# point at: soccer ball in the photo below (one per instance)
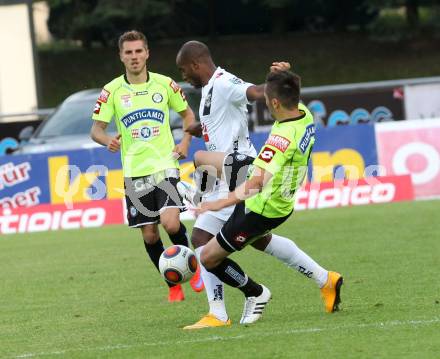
(177, 264)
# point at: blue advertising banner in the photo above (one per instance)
(95, 174)
(344, 152)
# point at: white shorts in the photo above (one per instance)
(209, 223)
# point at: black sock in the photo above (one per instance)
(154, 251)
(204, 183)
(251, 289)
(180, 237)
(230, 273)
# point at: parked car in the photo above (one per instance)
(68, 128)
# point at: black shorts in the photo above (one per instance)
(146, 199)
(235, 168)
(244, 227)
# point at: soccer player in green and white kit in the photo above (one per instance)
(139, 101)
(266, 199)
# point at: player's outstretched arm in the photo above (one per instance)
(256, 92)
(250, 188)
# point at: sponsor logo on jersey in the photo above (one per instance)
(174, 86)
(103, 96)
(236, 81)
(151, 114)
(141, 93)
(97, 108)
(266, 154)
(157, 97)
(218, 75)
(279, 142)
(305, 140)
(145, 133)
(126, 101)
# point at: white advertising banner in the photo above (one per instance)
(422, 101)
(17, 74)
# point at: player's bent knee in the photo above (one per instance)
(207, 259)
(150, 234)
(198, 157)
(171, 226)
(199, 237)
(150, 238)
(262, 242)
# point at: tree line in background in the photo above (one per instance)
(102, 21)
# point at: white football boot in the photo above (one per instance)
(188, 192)
(254, 306)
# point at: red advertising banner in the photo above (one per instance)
(412, 147)
(354, 193)
(48, 217)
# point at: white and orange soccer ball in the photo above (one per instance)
(177, 264)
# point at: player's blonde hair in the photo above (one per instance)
(132, 35)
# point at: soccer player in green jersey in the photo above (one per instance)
(266, 199)
(139, 101)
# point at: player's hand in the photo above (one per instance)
(279, 66)
(195, 129)
(207, 206)
(115, 143)
(180, 151)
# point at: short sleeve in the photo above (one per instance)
(234, 89)
(176, 97)
(104, 108)
(270, 159)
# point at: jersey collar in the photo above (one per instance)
(297, 118)
(216, 73)
(128, 83)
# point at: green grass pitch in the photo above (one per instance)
(93, 294)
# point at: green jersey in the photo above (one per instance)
(285, 155)
(141, 112)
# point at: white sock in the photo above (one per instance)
(214, 291)
(288, 252)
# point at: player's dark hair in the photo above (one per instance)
(284, 86)
(132, 35)
(194, 51)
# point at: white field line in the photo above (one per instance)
(214, 338)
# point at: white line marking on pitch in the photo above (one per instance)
(380, 325)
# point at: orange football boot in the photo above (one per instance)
(330, 292)
(208, 321)
(176, 294)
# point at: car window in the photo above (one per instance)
(71, 118)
